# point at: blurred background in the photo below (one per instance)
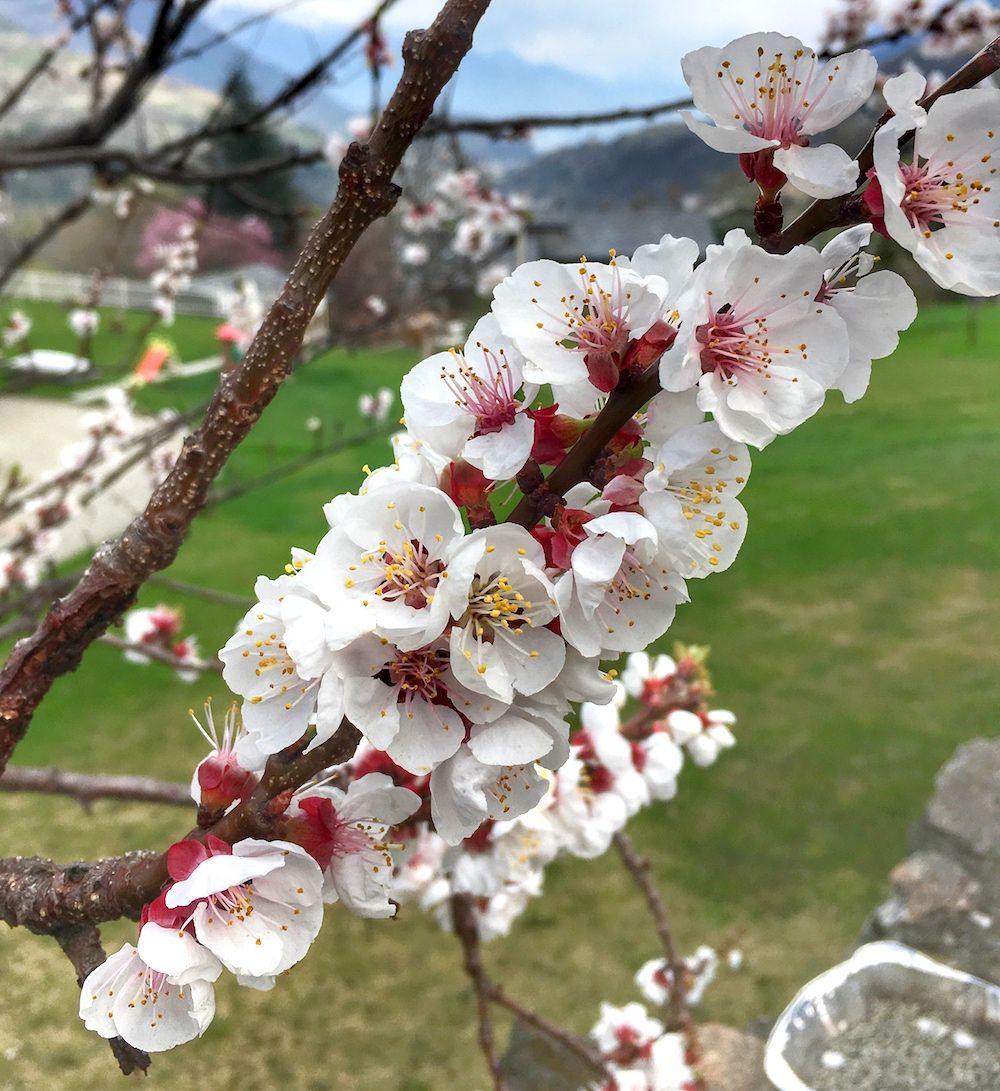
(855, 639)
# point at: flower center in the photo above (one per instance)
(930, 197)
(494, 601)
(490, 398)
(771, 101)
(418, 674)
(732, 345)
(411, 575)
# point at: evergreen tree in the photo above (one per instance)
(275, 189)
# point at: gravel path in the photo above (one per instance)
(32, 433)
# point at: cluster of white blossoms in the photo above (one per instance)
(561, 480)
(377, 407)
(177, 261)
(158, 628)
(640, 1053)
(627, 755)
(33, 513)
(465, 214)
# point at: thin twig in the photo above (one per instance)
(209, 594)
(638, 867)
(513, 127)
(160, 655)
(88, 787)
(464, 920)
(70, 212)
(582, 1050)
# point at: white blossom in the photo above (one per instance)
(768, 91)
(944, 206)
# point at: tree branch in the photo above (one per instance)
(577, 466)
(71, 211)
(638, 867)
(160, 655)
(209, 594)
(464, 920)
(87, 787)
(46, 57)
(513, 127)
(151, 541)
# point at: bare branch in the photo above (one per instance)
(638, 867)
(209, 594)
(231, 31)
(579, 1047)
(71, 211)
(464, 919)
(47, 56)
(87, 787)
(151, 541)
(159, 655)
(513, 127)
(284, 97)
(168, 28)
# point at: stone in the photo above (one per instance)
(534, 1061)
(945, 896)
(731, 1059)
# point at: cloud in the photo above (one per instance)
(607, 41)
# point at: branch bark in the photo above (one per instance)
(119, 568)
(464, 920)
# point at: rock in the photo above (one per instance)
(534, 1061)
(946, 895)
(731, 1059)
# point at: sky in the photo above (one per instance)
(542, 55)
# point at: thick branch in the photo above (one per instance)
(87, 787)
(151, 542)
(579, 462)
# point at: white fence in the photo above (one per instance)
(116, 292)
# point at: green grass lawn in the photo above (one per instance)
(855, 638)
(116, 347)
